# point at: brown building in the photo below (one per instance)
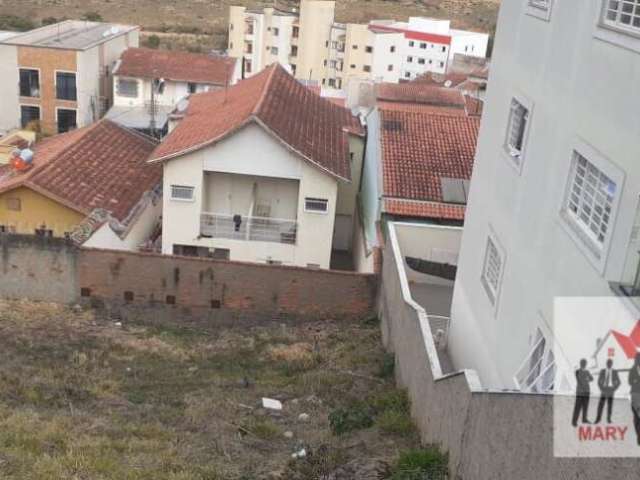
(60, 76)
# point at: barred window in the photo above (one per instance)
(492, 270)
(319, 205)
(516, 130)
(181, 192)
(127, 88)
(589, 201)
(624, 14)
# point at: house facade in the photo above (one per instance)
(59, 77)
(265, 172)
(553, 209)
(149, 83)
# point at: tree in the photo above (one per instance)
(153, 41)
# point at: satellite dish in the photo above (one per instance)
(447, 83)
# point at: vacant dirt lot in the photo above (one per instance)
(208, 17)
(85, 397)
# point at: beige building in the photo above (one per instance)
(60, 76)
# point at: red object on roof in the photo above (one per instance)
(418, 149)
(176, 66)
(305, 122)
(413, 35)
(628, 346)
(100, 166)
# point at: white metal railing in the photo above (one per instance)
(538, 370)
(240, 227)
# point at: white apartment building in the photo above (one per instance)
(59, 77)
(267, 171)
(149, 83)
(554, 203)
(315, 47)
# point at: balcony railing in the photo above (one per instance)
(255, 229)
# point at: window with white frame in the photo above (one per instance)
(316, 205)
(516, 130)
(540, 9)
(182, 192)
(492, 269)
(590, 200)
(622, 14)
(541, 4)
(127, 88)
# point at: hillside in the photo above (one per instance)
(201, 24)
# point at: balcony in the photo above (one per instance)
(253, 229)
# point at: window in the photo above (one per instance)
(352, 66)
(231, 26)
(390, 68)
(411, 43)
(407, 75)
(14, 204)
(441, 64)
(66, 86)
(409, 59)
(317, 205)
(444, 48)
(29, 114)
(590, 200)
(421, 61)
(182, 192)
(66, 120)
(247, 66)
(332, 82)
(248, 47)
(622, 14)
(275, 31)
(127, 88)
(392, 48)
(221, 253)
(294, 50)
(368, 49)
(516, 130)
(492, 269)
(355, 47)
(29, 83)
(366, 68)
(423, 45)
(274, 50)
(295, 32)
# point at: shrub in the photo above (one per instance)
(153, 41)
(92, 17)
(387, 365)
(345, 420)
(12, 22)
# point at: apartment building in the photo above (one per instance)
(269, 35)
(554, 203)
(149, 83)
(315, 47)
(266, 171)
(59, 77)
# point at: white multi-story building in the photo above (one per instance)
(267, 171)
(315, 47)
(554, 203)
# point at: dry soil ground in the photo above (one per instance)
(208, 17)
(84, 397)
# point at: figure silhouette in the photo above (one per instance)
(583, 392)
(608, 382)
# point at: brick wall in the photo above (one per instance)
(217, 288)
(54, 270)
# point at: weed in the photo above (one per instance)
(387, 365)
(419, 464)
(348, 419)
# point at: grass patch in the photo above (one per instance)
(419, 464)
(348, 419)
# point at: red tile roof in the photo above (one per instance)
(421, 108)
(419, 93)
(100, 166)
(308, 124)
(418, 149)
(176, 66)
(412, 34)
(413, 208)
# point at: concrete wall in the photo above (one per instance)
(561, 68)
(55, 270)
(488, 434)
(316, 18)
(9, 93)
(43, 269)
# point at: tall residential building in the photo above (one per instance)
(554, 201)
(315, 47)
(60, 76)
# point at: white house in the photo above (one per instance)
(554, 204)
(266, 171)
(149, 83)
